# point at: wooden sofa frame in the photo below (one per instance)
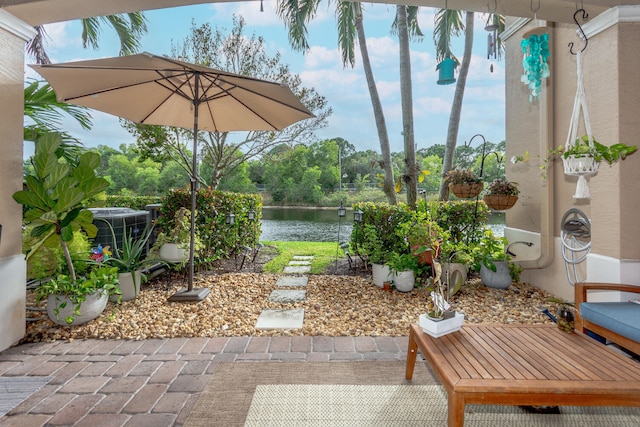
(582, 325)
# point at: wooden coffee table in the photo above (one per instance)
(525, 365)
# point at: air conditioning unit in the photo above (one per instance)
(134, 221)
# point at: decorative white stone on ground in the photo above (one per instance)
(281, 319)
(287, 296)
(292, 281)
(302, 257)
(299, 262)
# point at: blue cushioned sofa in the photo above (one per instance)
(616, 321)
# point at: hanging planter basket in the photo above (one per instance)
(466, 190)
(580, 165)
(500, 202)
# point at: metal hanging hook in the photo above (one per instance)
(494, 8)
(585, 15)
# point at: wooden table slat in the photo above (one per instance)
(549, 363)
(525, 365)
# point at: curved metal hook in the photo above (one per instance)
(494, 8)
(585, 15)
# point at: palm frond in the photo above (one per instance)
(295, 15)
(345, 17)
(41, 106)
(448, 24)
(35, 47)
(90, 32)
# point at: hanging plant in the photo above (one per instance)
(535, 50)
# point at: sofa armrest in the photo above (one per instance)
(581, 289)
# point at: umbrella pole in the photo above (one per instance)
(191, 294)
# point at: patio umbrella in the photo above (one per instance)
(156, 90)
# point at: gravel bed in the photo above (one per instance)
(335, 306)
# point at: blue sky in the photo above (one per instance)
(321, 67)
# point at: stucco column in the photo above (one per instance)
(614, 102)
(13, 35)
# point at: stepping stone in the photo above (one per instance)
(292, 281)
(297, 269)
(281, 319)
(287, 296)
(302, 257)
(299, 262)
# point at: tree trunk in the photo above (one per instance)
(456, 106)
(410, 176)
(389, 183)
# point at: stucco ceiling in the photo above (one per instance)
(37, 12)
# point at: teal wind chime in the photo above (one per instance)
(535, 51)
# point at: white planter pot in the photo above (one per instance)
(171, 252)
(500, 279)
(91, 308)
(381, 273)
(404, 280)
(455, 274)
(129, 289)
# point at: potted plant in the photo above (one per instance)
(75, 303)
(403, 267)
(57, 197)
(582, 157)
(130, 260)
(173, 246)
(424, 237)
(492, 261)
(455, 258)
(501, 195)
(377, 255)
(463, 183)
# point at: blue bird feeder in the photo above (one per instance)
(446, 68)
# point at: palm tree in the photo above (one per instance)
(296, 14)
(129, 27)
(448, 23)
(406, 25)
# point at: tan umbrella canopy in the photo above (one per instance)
(156, 90)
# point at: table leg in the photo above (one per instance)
(455, 412)
(412, 352)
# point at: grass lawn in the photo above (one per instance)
(324, 253)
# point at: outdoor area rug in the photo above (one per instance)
(226, 399)
(405, 405)
(14, 390)
(360, 394)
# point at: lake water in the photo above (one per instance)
(322, 225)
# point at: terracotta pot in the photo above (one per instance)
(466, 190)
(424, 257)
(500, 202)
(386, 286)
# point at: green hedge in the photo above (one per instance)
(380, 231)
(220, 239)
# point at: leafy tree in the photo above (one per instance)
(238, 53)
